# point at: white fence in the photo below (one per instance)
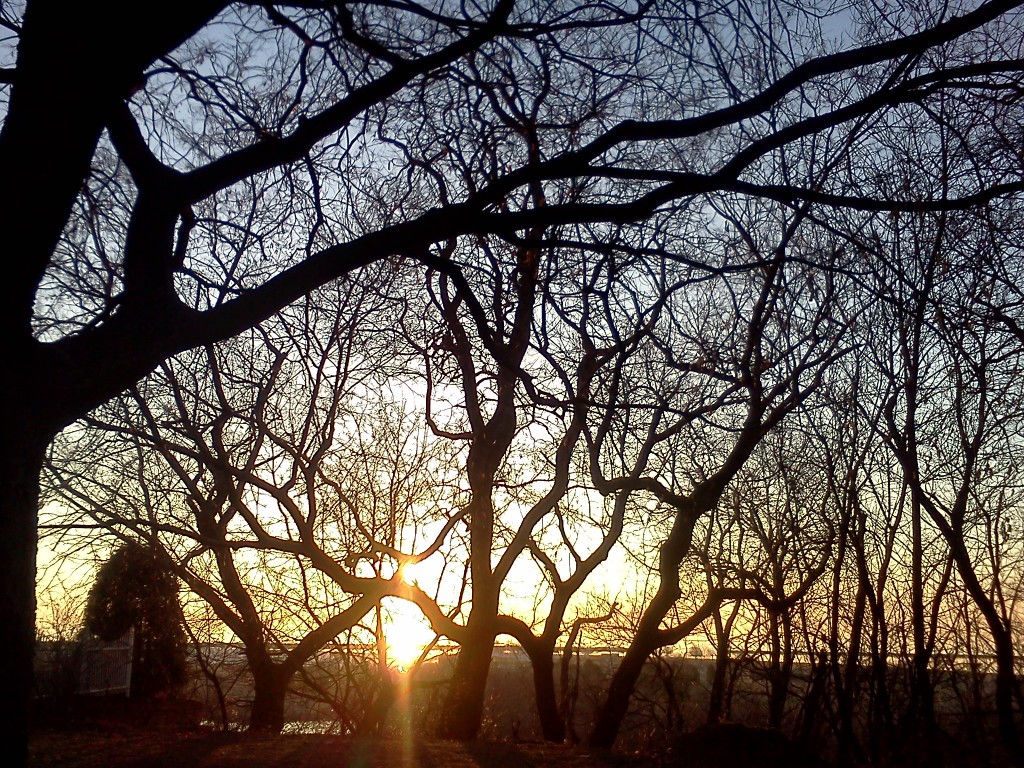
(107, 666)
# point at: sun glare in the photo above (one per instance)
(407, 633)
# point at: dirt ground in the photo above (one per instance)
(115, 732)
(132, 746)
(92, 749)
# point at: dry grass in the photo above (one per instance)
(121, 747)
(118, 733)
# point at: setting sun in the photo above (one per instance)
(407, 633)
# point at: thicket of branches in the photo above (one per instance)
(724, 301)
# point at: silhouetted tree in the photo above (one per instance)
(682, 442)
(134, 590)
(246, 154)
(263, 479)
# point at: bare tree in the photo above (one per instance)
(782, 506)
(509, 377)
(253, 478)
(729, 387)
(243, 155)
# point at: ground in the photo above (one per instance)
(133, 747)
(118, 733)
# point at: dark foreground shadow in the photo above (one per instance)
(733, 744)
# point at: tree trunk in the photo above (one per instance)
(613, 712)
(921, 707)
(464, 704)
(845, 679)
(815, 701)
(377, 713)
(646, 640)
(777, 676)
(270, 684)
(552, 724)
(716, 699)
(22, 449)
(1006, 679)
(880, 723)
(569, 690)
